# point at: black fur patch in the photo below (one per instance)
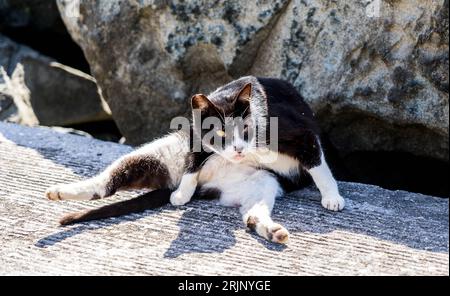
(194, 161)
(137, 172)
(207, 193)
(298, 132)
(151, 200)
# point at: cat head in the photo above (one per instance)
(224, 123)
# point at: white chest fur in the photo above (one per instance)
(227, 177)
(280, 163)
(237, 182)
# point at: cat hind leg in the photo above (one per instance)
(257, 207)
(133, 171)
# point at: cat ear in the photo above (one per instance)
(201, 102)
(242, 100)
(245, 94)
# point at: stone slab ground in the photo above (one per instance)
(380, 232)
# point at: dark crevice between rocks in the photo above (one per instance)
(59, 46)
(352, 159)
(39, 25)
(394, 170)
(398, 171)
(106, 130)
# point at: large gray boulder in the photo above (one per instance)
(35, 89)
(377, 77)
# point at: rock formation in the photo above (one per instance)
(35, 89)
(377, 77)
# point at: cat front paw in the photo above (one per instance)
(179, 198)
(278, 234)
(53, 193)
(333, 203)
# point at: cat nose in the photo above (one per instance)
(238, 149)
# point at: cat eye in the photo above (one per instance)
(220, 133)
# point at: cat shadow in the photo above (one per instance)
(204, 228)
(69, 231)
(268, 245)
(210, 229)
(202, 232)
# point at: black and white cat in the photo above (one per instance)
(237, 170)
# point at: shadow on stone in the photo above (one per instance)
(204, 232)
(73, 230)
(199, 231)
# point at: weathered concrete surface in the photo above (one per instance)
(380, 232)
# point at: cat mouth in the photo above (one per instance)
(238, 157)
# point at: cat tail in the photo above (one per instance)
(151, 200)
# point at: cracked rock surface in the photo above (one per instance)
(380, 232)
